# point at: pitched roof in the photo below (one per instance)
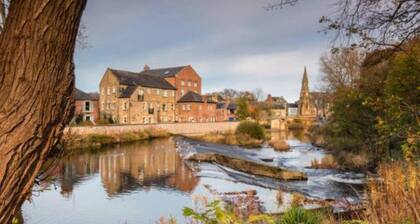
(232, 106)
(126, 93)
(163, 72)
(80, 95)
(140, 79)
(94, 95)
(191, 97)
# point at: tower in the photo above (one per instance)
(305, 107)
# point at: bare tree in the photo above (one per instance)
(36, 85)
(340, 69)
(370, 23)
(259, 94)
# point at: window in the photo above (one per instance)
(87, 106)
(113, 89)
(140, 96)
(125, 106)
(102, 91)
(108, 91)
(125, 119)
(182, 83)
(173, 93)
(157, 92)
(195, 84)
(151, 109)
(164, 107)
(189, 83)
(182, 92)
(150, 120)
(183, 107)
(88, 118)
(188, 107)
(144, 120)
(144, 106)
(165, 93)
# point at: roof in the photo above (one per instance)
(80, 95)
(163, 72)
(126, 93)
(94, 95)
(140, 79)
(232, 106)
(191, 97)
(220, 105)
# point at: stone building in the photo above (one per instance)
(277, 106)
(86, 106)
(192, 107)
(136, 98)
(306, 108)
(183, 78)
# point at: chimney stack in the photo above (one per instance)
(146, 67)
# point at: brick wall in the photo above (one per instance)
(173, 128)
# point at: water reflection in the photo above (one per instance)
(127, 168)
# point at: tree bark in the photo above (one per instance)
(36, 88)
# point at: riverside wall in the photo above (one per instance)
(188, 129)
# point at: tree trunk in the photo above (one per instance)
(36, 88)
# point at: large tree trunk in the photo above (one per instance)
(36, 88)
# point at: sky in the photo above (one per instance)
(230, 43)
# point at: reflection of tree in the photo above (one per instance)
(127, 168)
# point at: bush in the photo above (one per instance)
(280, 145)
(328, 162)
(252, 129)
(299, 215)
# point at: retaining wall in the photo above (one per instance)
(173, 128)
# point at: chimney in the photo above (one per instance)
(146, 67)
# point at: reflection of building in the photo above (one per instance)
(126, 168)
(144, 165)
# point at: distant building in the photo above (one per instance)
(226, 111)
(292, 110)
(192, 107)
(305, 105)
(277, 106)
(86, 106)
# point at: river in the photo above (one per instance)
(143, 181)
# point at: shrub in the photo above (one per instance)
(296, 124)
(252, 129)
(328, 162)
(297, 215)
(280, 145)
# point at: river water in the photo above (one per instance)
(141, 182)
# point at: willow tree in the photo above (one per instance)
(37, 42)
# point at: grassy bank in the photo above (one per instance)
(248, 134)
(96, 141)
(230, 138)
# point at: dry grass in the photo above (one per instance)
(279, 197)
(96, 141)
(280, 145)
(297, 199)
(229, 138)
(328, 162)
(395, 198)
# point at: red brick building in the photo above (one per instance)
(226, 111)
(183, 78)
(86, 106)
(192, 107)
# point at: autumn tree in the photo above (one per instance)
(340, 69)
(37, 42)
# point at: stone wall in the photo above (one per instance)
(173, 128)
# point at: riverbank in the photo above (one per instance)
(72, 141)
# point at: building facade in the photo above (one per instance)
(305, 105)
(226, 111)
(192, 107)
(183, 78)
(86, 106)
(136, 98)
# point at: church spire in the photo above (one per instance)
(305, 86)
